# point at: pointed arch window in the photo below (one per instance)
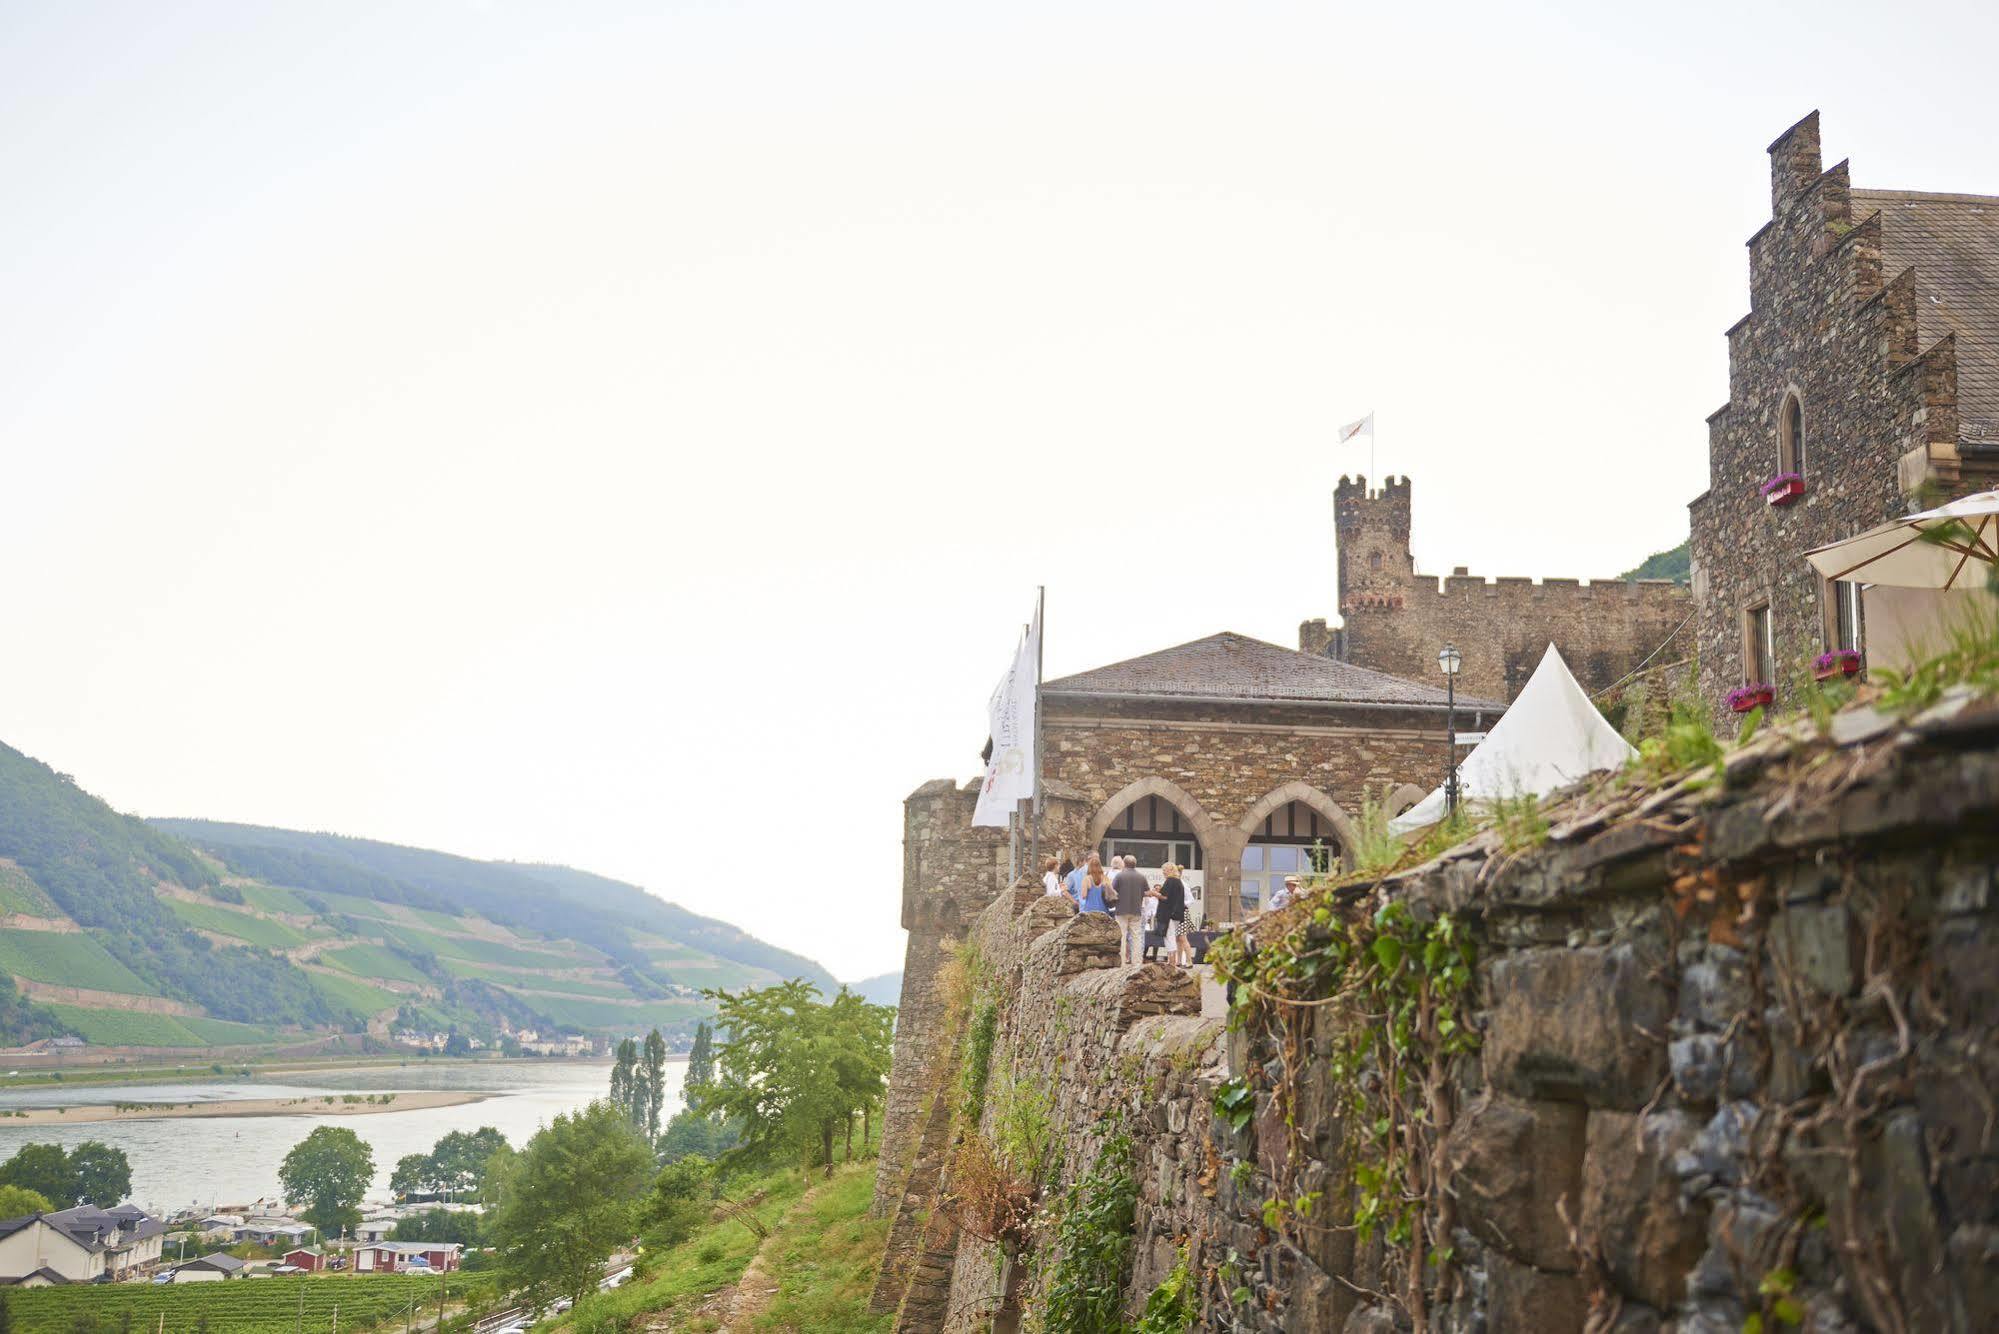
(1791, 437)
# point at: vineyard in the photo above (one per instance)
(239, 1306)
(68, 959)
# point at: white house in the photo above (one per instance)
(209, 1269)
(79, 1245)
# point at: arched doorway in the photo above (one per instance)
(1157, 823)
(1295, 830)
(1294, 839)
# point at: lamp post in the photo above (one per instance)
(1450, 660)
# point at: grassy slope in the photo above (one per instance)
(68, 960)
(242, 926)
(822, 1255)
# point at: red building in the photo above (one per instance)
(309, 1258)
(395, 1257)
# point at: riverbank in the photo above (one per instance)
(323, 1104)
(23, 1076)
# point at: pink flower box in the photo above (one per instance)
(1782, 489)
(1744, 698)
(1839, 662)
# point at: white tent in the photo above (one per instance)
(1549, 737)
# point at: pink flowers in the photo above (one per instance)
(1744, 698)
(1839, 662)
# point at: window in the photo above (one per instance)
(1759, 652)
(1374, 560)
(1791, 437)
(1849, 627)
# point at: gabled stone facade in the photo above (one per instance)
(1846, 322)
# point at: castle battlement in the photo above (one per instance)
(1395, 618)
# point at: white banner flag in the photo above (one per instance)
(1010, 771)
(1354, 430)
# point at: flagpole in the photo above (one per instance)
(1040, 638)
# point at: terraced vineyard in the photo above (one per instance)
(241, 1306)
(67, 959)
(253, 930)
(129, 1028)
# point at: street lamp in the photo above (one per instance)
(1450, 660)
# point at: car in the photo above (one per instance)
(164, 1276)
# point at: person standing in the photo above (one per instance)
(1130, 887)
(1051, 881)
(1072, 883)
(1173, 913)
(1095, 882)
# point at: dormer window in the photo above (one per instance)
(1791, 437)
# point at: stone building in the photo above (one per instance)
(1395, 619)
(1238, 759)
(1868, 366)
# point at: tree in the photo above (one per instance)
(683, 1195)
(442, 1225)
(91, 1173)
(101, 1174)
(624, 1079)
(794, 1070)
(328, 1169)
(19, 1202)
(701, 1059)
(44, 1169)
(655, 1083)
(458, 1161)
(569, 1199)
(412, 1175)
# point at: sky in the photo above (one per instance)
(631, 435)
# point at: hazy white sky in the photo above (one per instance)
(630, 435)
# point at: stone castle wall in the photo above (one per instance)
(1734, 1058)
(1827, 325)
(1395, 620)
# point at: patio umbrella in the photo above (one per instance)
(1963, 535)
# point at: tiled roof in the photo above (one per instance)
(1229, 666)
(1953, 242)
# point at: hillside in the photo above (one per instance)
(182, 934)
(652, 937)
(1676, 565)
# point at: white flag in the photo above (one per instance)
(1354, 430)
(1010, 770)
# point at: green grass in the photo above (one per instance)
(373, 961)
(223, 1033)
(709, 971)
(20, 894)
(353, 994)
(68, 959)
(243, 1306)
(239, 925)
(274, 898)
(604, 1014)
(679, 1278)
(824, 1257)
(126, 1028)
(442, 921)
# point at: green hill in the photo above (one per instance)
(267, 936)
(620, 920)
(1676, 565)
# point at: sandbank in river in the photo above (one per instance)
(322, 1104)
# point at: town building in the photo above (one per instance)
(209, 1269)
(1862, 384)
(309, 1259)
(392, 1257)
(1395, 620)
(81, 1245)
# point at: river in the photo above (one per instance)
(220, 1160)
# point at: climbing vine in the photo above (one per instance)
(1387, 994)
(1093, 1235)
